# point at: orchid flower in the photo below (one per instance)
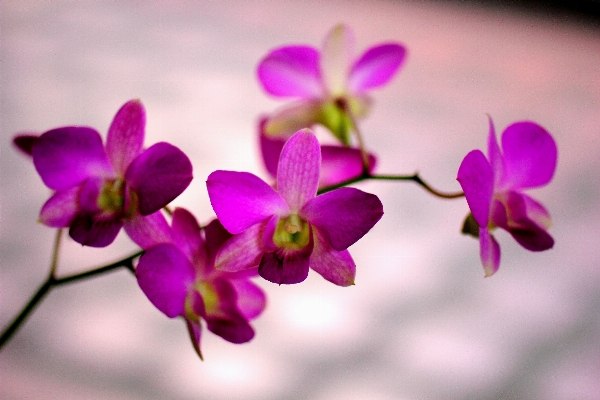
(98, 189)
(329, 84)
(288, 231)
(494, 190)
(179, 278)
(338, 164)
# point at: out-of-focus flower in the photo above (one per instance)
(338, 163)
(328, 83)
(494, 189)
(179, 278)
(285, 232)
(99, 189)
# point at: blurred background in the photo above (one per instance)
(421, 321)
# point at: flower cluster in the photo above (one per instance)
(307, 219)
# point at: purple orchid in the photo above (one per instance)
(493, 189)
(328, 83)
(288, 231)
(179, 278)
(99, 189)
(338, 163)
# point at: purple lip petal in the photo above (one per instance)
(489, 252)
(24, 142)
(233, 330)
(158, 176)
(537, 212)
(376, 67)
(195, 332)
(66, 157)
(285, 270)
(165, 275)
(241, 199)
(291, 71)
(88, 231)
(61, 208)
(343, 215)
(335, 266)
(242, 251)
(532, 237)
(251, 300)
(476, 178)
(186, 233)
(342, 163)
(298, 171)
(529, 155)
(149, 230)
(126, 135)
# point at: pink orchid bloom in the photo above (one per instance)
(494, 189)
(179, 278)
(327, 83)
(288, 231)
(99, 189)
(338, 163)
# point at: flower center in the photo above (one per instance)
(115, 199)
(292, 233)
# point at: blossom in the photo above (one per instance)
(494, 189)
(99, 189)
(179, 278)
(289, 230)
(338, 163)
(328, 83)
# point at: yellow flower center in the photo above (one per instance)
(292, 233)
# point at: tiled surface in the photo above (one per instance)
(421, 321)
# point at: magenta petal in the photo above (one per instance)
(284, 269)
(216, 236)
(251, 300)
(165, 276)
(242, 251)
(241, 199)
(66, 157)
(530, 155)
(186, 233)
(291, 71)
(126, 135)
(344, 215)
(148, 230)
(298, 170)
(477, 181)
(195, 332)
(158, 176)
(270, 149)
(537, 212)
(489, 252)
(376, 67)
(335, 266)
(525, 231)
(25, 141)
(233, 330)
(88, 196)
(94, 232)
(61, 208)
(342, 163)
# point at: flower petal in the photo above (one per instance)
(94, 232)
(126, 135)
(236, 330)
(376, 67)
(477, 181)
(340, 163)
(251, 300)
(165, 276)
(288, 120)
(284, 269)
(524, 230)
(148, 230)
(270, 149)
(291, 71)
(335, 266)
(158, 176)
(60, 209)
(216, 236)
(530, 156)
(336, 56)
(66, 157)
(187, 234)
(537, 212)
(494, 154)
(241, 199)
(343, 215)
(489, 252)
(298, 170)
(242, 251)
